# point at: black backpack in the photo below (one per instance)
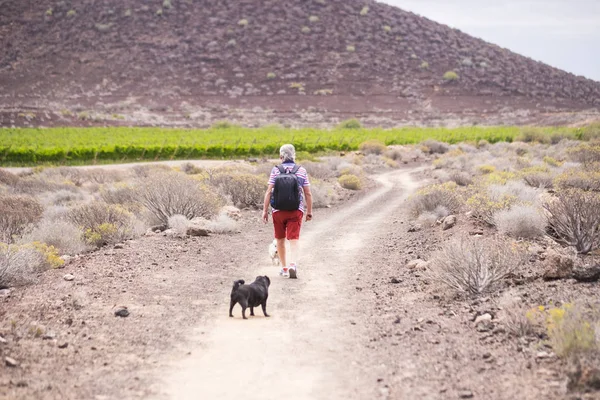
(286, 192)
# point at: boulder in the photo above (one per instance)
(195, 231)
(417, 265)
(448, 222)
(587, 273)
(557, 266)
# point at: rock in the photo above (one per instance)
(487, 355)
(2, 340)
(232, 212)
(584, 377)
(535, 249)
(159, 228)
(465, 394)
(193, 231)
(448, 222)
(122, 312)
(119, 246)
(557, 266)
(68, 277)
(49, 336)
(394, 280)
(63, 346)
(4, 292)
(542, 355)
(66, 259)
(417, 265)
(587, 273)
(483, 318)
(10, 362)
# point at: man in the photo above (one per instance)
(287, 223)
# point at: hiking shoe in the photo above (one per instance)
(292, 271)
(285, 272)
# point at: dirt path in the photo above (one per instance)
(305, 350)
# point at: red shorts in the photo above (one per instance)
(287, 224)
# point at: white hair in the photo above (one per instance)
(287, 152)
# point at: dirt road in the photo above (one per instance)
(306, 349)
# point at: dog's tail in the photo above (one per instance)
(237, 284)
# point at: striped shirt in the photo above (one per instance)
(302, 176)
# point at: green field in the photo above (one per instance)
(70, 146)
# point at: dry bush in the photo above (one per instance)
(516, 189)
(541, 180)
(585, 153)
(431, 197)
(574, 215)
(121, 194)
(323, 193)
(167, 194)
(521, 222)
(349, 181)
(17, 213)
(34, 185)
(65, 175)
(436, 147)
(179, 223)
(319, 170)
(145, 171)
(484, 207)
(8, 178)
(460, 178)
(103, 223)
(190, 169)
(222, 225)
(103, 176)
(244, 190)
(264, 169)
(18, 265)
(62, 235)
(394, 154)
(372, 147)
(579, 179)
(475, 265)
(61, 197)
(345, 168)
(517, 320)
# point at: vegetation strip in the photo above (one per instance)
(28, 146)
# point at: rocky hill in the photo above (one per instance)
(161, 61)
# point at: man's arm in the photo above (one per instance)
(308, 197)
(265, 215)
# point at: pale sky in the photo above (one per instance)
(562, 33)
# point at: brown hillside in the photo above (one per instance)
(181, 57)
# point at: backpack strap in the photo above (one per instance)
(281, 169)
(296, 168)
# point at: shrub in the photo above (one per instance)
(572, 330)
(65, 175)
(486, 169)
(71, 13)
(8, 178)
(475, 265)
(179, 223)
(531, 135)
(516, 189)
(319, 170)
(167, 4)
(222, 125)
(450, 76)
(424, 65)
(271, 75)
(579, 179)
(102, 176)
(387, 28)
(574, 216)
(364, 11)
(431, 197)
(460, 178)
(145, 171)
(49, 12)
(541, 180)
(306, 29)
(351, 182)
(313, 18)
(191, 169)
(484, 207)
(552, 161)
(350, 124)
(372, 147)
(350, 48)
(394, 154)
(65, 237)
(103, 223)
(520, 222)
(167, 194)
(244, 190)
(17, 213)
(121, 195)
(436, 147)
(322, 193)
(159, 12)
(243, 22)
(18, 264)
(585, 153)
(61, 197)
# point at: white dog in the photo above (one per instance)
(273, 253)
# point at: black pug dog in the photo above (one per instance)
(252, 295)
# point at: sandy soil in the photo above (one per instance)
(356, 325)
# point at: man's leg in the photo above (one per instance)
(294, 251)
(281, 251)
